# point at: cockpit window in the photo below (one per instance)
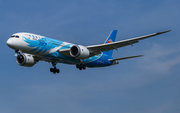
(14, 36)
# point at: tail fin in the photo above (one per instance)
(111, 38)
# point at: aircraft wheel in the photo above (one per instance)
(51, 69)
(54, 71)
(57, 70)
(84, 67)
(80, 68)
(77, 65)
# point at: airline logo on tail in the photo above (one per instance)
(109, 41)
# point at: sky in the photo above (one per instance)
(149, 84)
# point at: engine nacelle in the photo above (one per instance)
(25, 60)
(79, 52)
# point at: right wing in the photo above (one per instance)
(97, 49)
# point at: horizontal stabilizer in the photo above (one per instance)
(125, 58)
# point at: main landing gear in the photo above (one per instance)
(80, 66)
(54, 70)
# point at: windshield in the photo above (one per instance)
(14, 36)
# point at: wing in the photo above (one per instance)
(97, 49)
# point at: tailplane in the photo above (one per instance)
(123, 58)
(111, 38)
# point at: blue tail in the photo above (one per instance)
(111, 38)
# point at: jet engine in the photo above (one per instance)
(79, 52)
(25, 60)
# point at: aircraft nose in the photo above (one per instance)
(9, 42)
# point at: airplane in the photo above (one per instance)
(31, 48)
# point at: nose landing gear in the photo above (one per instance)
(18, 51)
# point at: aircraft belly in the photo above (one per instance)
(100, 61)
(58, 57)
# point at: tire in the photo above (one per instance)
(84, 67)
(77, 65)
(51, 69)
(54, 71)
(57, 70)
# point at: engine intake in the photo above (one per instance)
(25, 60)
(79, 52)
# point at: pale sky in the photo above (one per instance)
(142, 85)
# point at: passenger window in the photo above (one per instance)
(29, 37)
(17, 36)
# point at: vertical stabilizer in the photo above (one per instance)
(111, 38)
